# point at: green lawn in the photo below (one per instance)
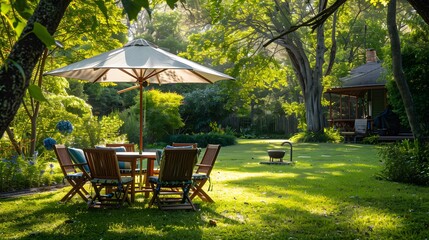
(330, 193)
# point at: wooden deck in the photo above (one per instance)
(399, 137)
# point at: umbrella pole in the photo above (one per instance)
(141, 118)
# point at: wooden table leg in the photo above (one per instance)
(133, 184)
(149, 172)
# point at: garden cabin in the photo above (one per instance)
(362, 94)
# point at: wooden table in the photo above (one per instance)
(133, 157)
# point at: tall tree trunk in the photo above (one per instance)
(422, 8)
(36, 109)
(15, 73)
(15, 144)
(398, 72)
(310, 79)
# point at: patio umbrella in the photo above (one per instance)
(141, 62)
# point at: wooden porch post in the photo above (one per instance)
(330, 110)
(350, 107)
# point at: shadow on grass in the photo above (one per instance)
(73, 220)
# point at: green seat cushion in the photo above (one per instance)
(124, 180)
(199, 176)
(78, 157)
(74, 175)
(155, 180)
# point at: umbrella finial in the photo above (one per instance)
(140, 42)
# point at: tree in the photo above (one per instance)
(398, 72)
(16, 71)
(258, 21)
(74, 35)
(422, 8)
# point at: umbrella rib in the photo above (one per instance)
(201, 76)
(123, 70)
(101, 75)
(154, 72)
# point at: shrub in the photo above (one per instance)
(202, 139)
(18, 173)
(329, 135)
(406, 162)
(372, 139)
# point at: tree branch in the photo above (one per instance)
(313, 22)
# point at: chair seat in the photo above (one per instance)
(74, 175)
(199, 176)
(128, 170)
(124, 180)
(155, 180)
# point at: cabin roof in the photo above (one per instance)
(361, 79)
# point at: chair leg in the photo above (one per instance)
(125, 195)
(77, 187)
(198, 191)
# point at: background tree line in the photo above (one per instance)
(286, 78)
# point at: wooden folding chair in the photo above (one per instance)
(194, 145)
(202, 174)
(75, 178)
(126, 170)
(171, 187)
(105, 172)
(129, 147)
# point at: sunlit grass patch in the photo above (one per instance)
(330, 193)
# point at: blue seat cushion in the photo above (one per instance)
(159, 152)
(78, 157)
(117, 149)
(159, 156)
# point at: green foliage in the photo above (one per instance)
(202, 139)
(43, 34)
(329, 135)
(296, 109)
(406, 162)
(105, 99)
(99, 131)
(217, 135)
(161, 111)
(415, 57)
(372, 139)
(257, 73)
(202, 107)
(18, 172)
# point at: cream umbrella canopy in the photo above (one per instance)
(141, 62)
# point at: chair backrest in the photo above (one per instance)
(361, 126)
(194, 145)
(177, 164)
(129, 147)
(103, 163)
(64, 159)
(209, 159)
